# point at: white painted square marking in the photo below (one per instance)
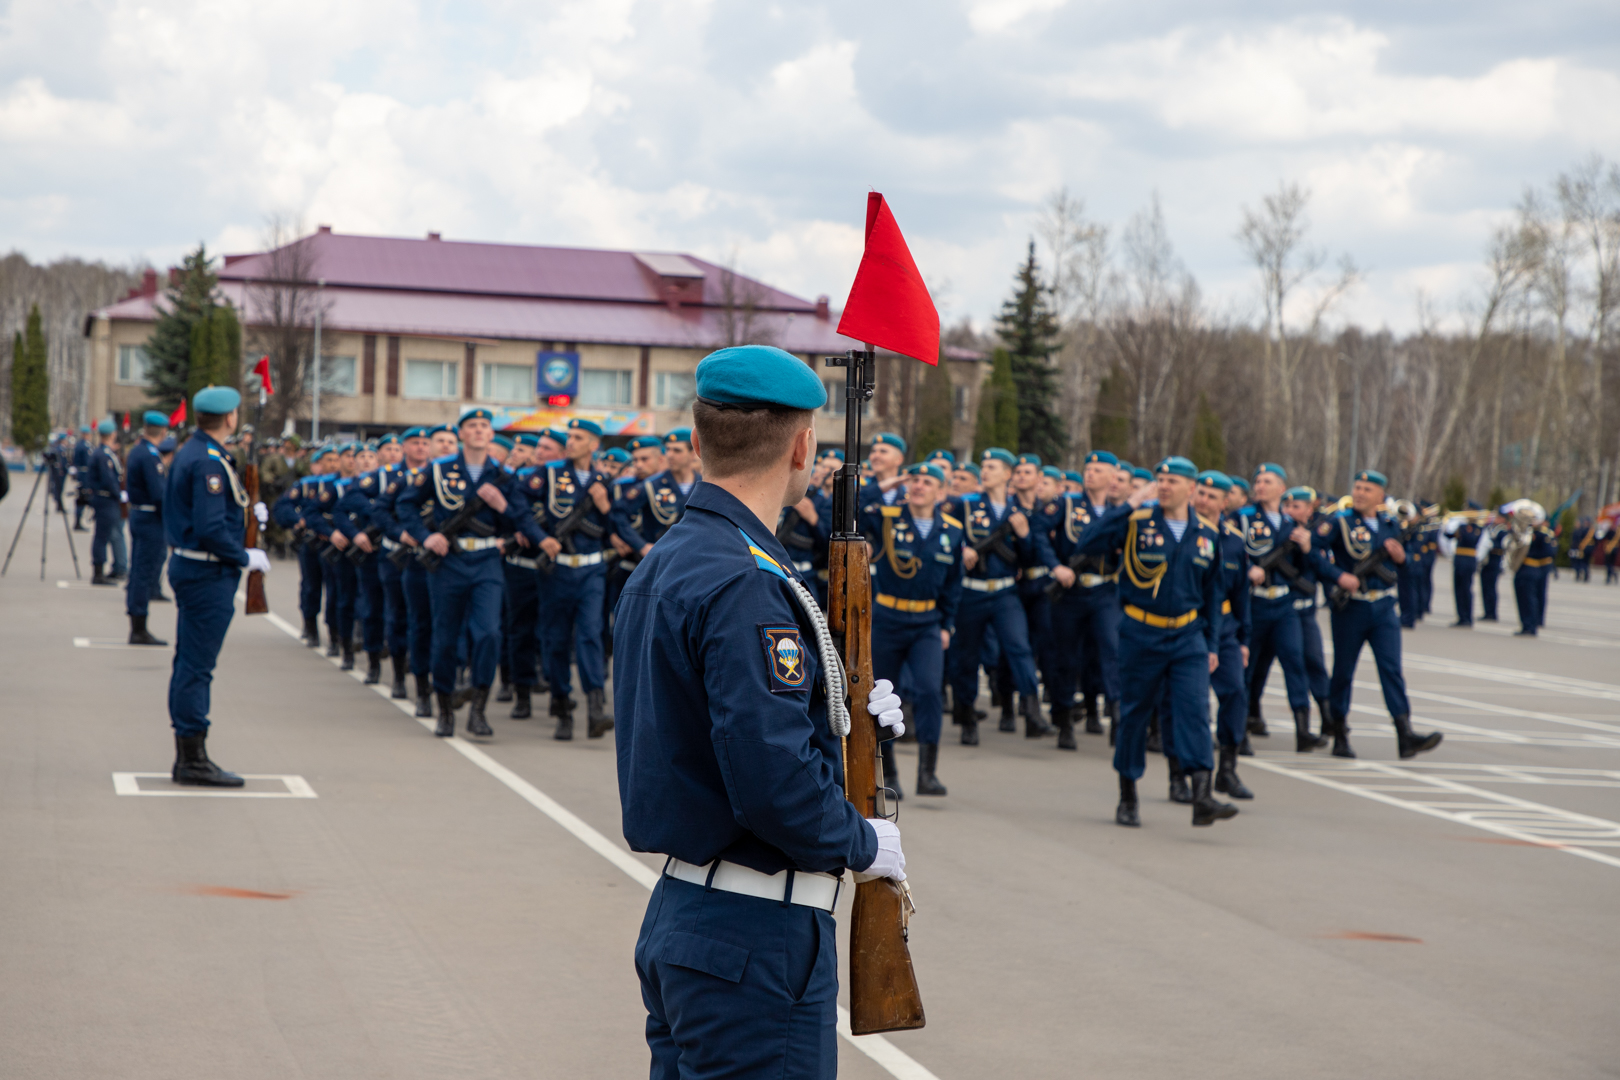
(292, 787)
(115, 643)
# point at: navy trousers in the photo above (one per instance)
(523, 622)
(1152, 662)
(1530, 592)
(1488, 575)
(345, 596)
(1406, 591)
(109, 532)
(1099, 641)
(572, 600)
(466, 590)
(311, 581)
(1375, 624)
(1038, 620)
(1310, 637)
(147, 549)
(737, 987)
(1425, 583)
(979, 613)
(909, 644)
(1462, 588)
(395, 620)
(418, 617)
(205, 600)
(369, 603)
(1274, 633)
(1231, 692)
(334, 594)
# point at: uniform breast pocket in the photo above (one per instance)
(944, 558)
(1200, 562)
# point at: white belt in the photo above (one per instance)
(1269, 592)
(476, 543)
(200, 556)
(578, 560)
(804, 567)
(1375, 594)
(1305, 605)
(1033, 573)
(809, 889)
(390, 545)
(151, 507)
(988, 584)
(1091, 581)
(527, 564)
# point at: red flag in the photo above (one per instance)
(126, 421)
(889, 305)
(262, 370)
(178, 417)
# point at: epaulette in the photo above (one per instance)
(559, 463)
(947, 519)
(972, 496)
(324, 478)
(1233, 529)
(624, 480)
(889, 511)
(443, 460)
(1141, 515)
(764, 561)
(1208, 523)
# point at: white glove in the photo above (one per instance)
(258, 560)
(261, 512)
(890, 861)
(884, 705)
(123, 496)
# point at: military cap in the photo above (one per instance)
(347, 448)
(1373, 476)
(558, 437)
(1054, 472)
(1030, 459)
(927, 468)
(832, 452)
(504, 442)
(320, 453)
(1141, 474)
(414, 433)
(758, 377)
(679, 435)
(617, 453)
(106, 427)
(167, 445)
(1300, 494)
(1218, 480)
(477, 412)
(387, 439)
(153, 418)
(216, 399)
(1177, 466)
(1272, 467)
(968, 466)
(1103, 456)
(84, 429)
(889, 438)
(528, 438)
(996, 453)
(942, 455)
(1123, 464)
(1239, 482)
(589, 427)
(436, 428)
(1071, 475)
(646, 442)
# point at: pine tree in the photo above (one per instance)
(1111, 421)
(1455, 495)
(1030, 330)
(997, 422)
(934, 405)
(30, 386)
(168, 349)
(1208, 449)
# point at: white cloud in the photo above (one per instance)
(996, 16)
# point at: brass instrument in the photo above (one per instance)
(1523, 516)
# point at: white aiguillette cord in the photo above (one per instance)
(832, 666)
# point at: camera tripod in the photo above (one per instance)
(44, 534)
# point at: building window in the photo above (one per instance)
(961, 406)
(132, 365)
(508, 382)
(432, 379)
(604, 388)
(674, 390)
(337, 376)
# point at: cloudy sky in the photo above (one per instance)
(750, 131)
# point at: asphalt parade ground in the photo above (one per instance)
(381, 903)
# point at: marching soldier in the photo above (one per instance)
(1035, 563)
(291, 514)
(102, 483)
(338, 530)
(1462, 536)
(353, 518)
(413, 576)
(1302, 504)
(145, 485)
(1085, 610)
(1275, 626)
(1228, 681)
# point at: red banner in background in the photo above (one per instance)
(889, 305)
(178, 417)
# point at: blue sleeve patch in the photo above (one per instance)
(764, 561)
(785, 660)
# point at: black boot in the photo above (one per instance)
(1126, 812)
(332, 646)
(522, 709)
(1155, 745)
(348, 655)
(1093, 724)
(373, 668)
(424, 696)
(191, 765)
(138, 634)
(1180, 792)
(1412, 743)
(1226, 777)
(1009, 714)
(1304, 741)
(397, 690)
(1063, 718)
(1257, 723)
(1341, 736)
(1035, 725)
(598, 722)
(927, 762)
(447, 716)
(962, 714)
(1324, 711)
(1111, 710)
(476, 723)
(891, 774)
(1245, 748)
(1207, 809)
(98, 578)
(562, 707)
(505, 692)
(312, 634)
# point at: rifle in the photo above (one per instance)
(997, 540)
(564, 532)
(788, 534)
(1080, 564)
(463, 520)
(883, 993)
(1279, 561)
(257, 603)
(356, 554)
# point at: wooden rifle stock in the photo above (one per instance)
(257, 603)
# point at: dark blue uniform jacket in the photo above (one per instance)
(1161, 576)
(145, 481)
(421, 509)
(909, 566)
(203, 502)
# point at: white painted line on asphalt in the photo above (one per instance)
(881, 1051)
(79, 585)
(1560, 684)
(113, 643)
(128, 783)
(1460, 732)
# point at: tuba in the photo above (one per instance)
(1523, 516)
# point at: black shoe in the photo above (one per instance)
(138, 634)
(1257, 724)
(424, 696)
(397, 691)
(1245, 748)
(332, 646)
(1325, 712)
(891, 774)
(1524, 633)
(1463, 624)
(373, 668)
(192, 766)
(447, 716)
(522, 708)
(1126, 813)
(159, 598)
(80, 528)
(562, 707)
(312, 634)
(348, 656)
(1412, 743)
(1093, 724)
(98, 578)
(1226, 777)
(927, 762)
(1304, 741)
(1063, 719)
(598, 722)
(477, 725)
(1207, 809)
(1111, 710)
(1009, 720)
(1488, 618)
(1341, 736)
(1180, 790)
(964, 716)
(505, 692)
(1035, 725)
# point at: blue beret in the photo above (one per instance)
(528, 438)
(388, 439)
(477, 412)
(435, 429)
(1302, 493)
(617, 453)
(414, 433)
(348, 448)
(1127, 466)
(889, 438)
(1373, 476)
(1054, 472)
(589, 427)
(84, 429)
(155, 419)
(106, 427)
(1177, 466)
(679, 435)
(996, 453)
(503, 441)
(322, 452)
(927, 469)
(758, 377)
(1030, 459)
(646, 442)
(369, 445)
(943, 455)
(1074, 476)
(1217, 480)
(1273, 468)
(833, 452)
(1140, 473)
(216, 399)
(167, 445)
(558, 437)
(1103, 456)
(968, 466)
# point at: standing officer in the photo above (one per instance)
(1170, 639)
(81, 465)
(468, 583)
(203, 504)
(1369, 618)
(728, 761)
(103, 481)
(917, 584)
(145, 486)
(1463, 535)
(1228, 681)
